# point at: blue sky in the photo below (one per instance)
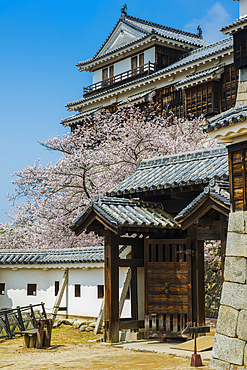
(40, 44)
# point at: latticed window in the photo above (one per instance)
(240, 49)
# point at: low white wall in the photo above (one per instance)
(87, 304)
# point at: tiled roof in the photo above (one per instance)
(79, 117)
(169, 32)
(188, 58)
(239, 22)
(175, 171)
(221, 195)
(212, 72)
(127, 213)
(227, 118)
(149, 28)
(52, 256)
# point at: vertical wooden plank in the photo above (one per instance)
(174, 253)
(146, 334)
(223, 232)
(146, 259)
(153, 252)
(231, 181)
(201, 285)
(161, 323)
(154, 323)
(191, 289)
(175, 323)
(167, 252)
(168, 323)
(40, 333)
(111, 334)
(160, 252)
(47, 337)
(134, 301)
(244, 179)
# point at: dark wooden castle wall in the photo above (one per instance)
(240, 49)
(238, 175)
(208, 99)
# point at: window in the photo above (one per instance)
(56, 287)
(141, 59)
(105, 74)
(100, 291)
(31, 289)
(2, 288)
(77, 290)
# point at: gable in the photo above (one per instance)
(121, 36)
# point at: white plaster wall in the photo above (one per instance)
(97, 76)
(242, 7)
(122, 66)
(149, 55)
(87, 305)
(16, 287)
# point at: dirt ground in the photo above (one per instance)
(71, 350)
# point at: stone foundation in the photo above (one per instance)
(230, 349)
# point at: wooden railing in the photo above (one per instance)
(14, 320)
(124, 77)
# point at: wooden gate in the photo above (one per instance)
(168, 298)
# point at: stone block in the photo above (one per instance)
(231, 295)
(228, 349)
(236, 222)
(236, 367)
(242, 325)
(245, 356)
(235, 269)
(219, 365)
(227, 321)
(236, 244)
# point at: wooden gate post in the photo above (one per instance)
(111, 334)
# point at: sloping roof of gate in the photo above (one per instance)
(175, 171)
(119, 212)
(52, 256)
(222, 196)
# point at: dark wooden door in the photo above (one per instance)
(168, 281)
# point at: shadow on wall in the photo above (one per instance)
(6, 301)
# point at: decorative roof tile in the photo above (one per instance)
(227, 118)
(175, 171)
(52, 256)
(128, 213)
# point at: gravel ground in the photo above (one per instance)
(71, 350)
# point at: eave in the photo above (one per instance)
(169, 74)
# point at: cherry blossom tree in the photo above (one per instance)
(94, 158)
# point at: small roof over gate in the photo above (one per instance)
(119, 214)
(175, 171)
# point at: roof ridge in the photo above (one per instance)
(205, 47)
(163, 27)
(182, 157)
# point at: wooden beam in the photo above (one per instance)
(59, 296)
(111, 334)
(131, 241)
(124, 291)
(201, 285)
(100, 317)
(131, 263)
